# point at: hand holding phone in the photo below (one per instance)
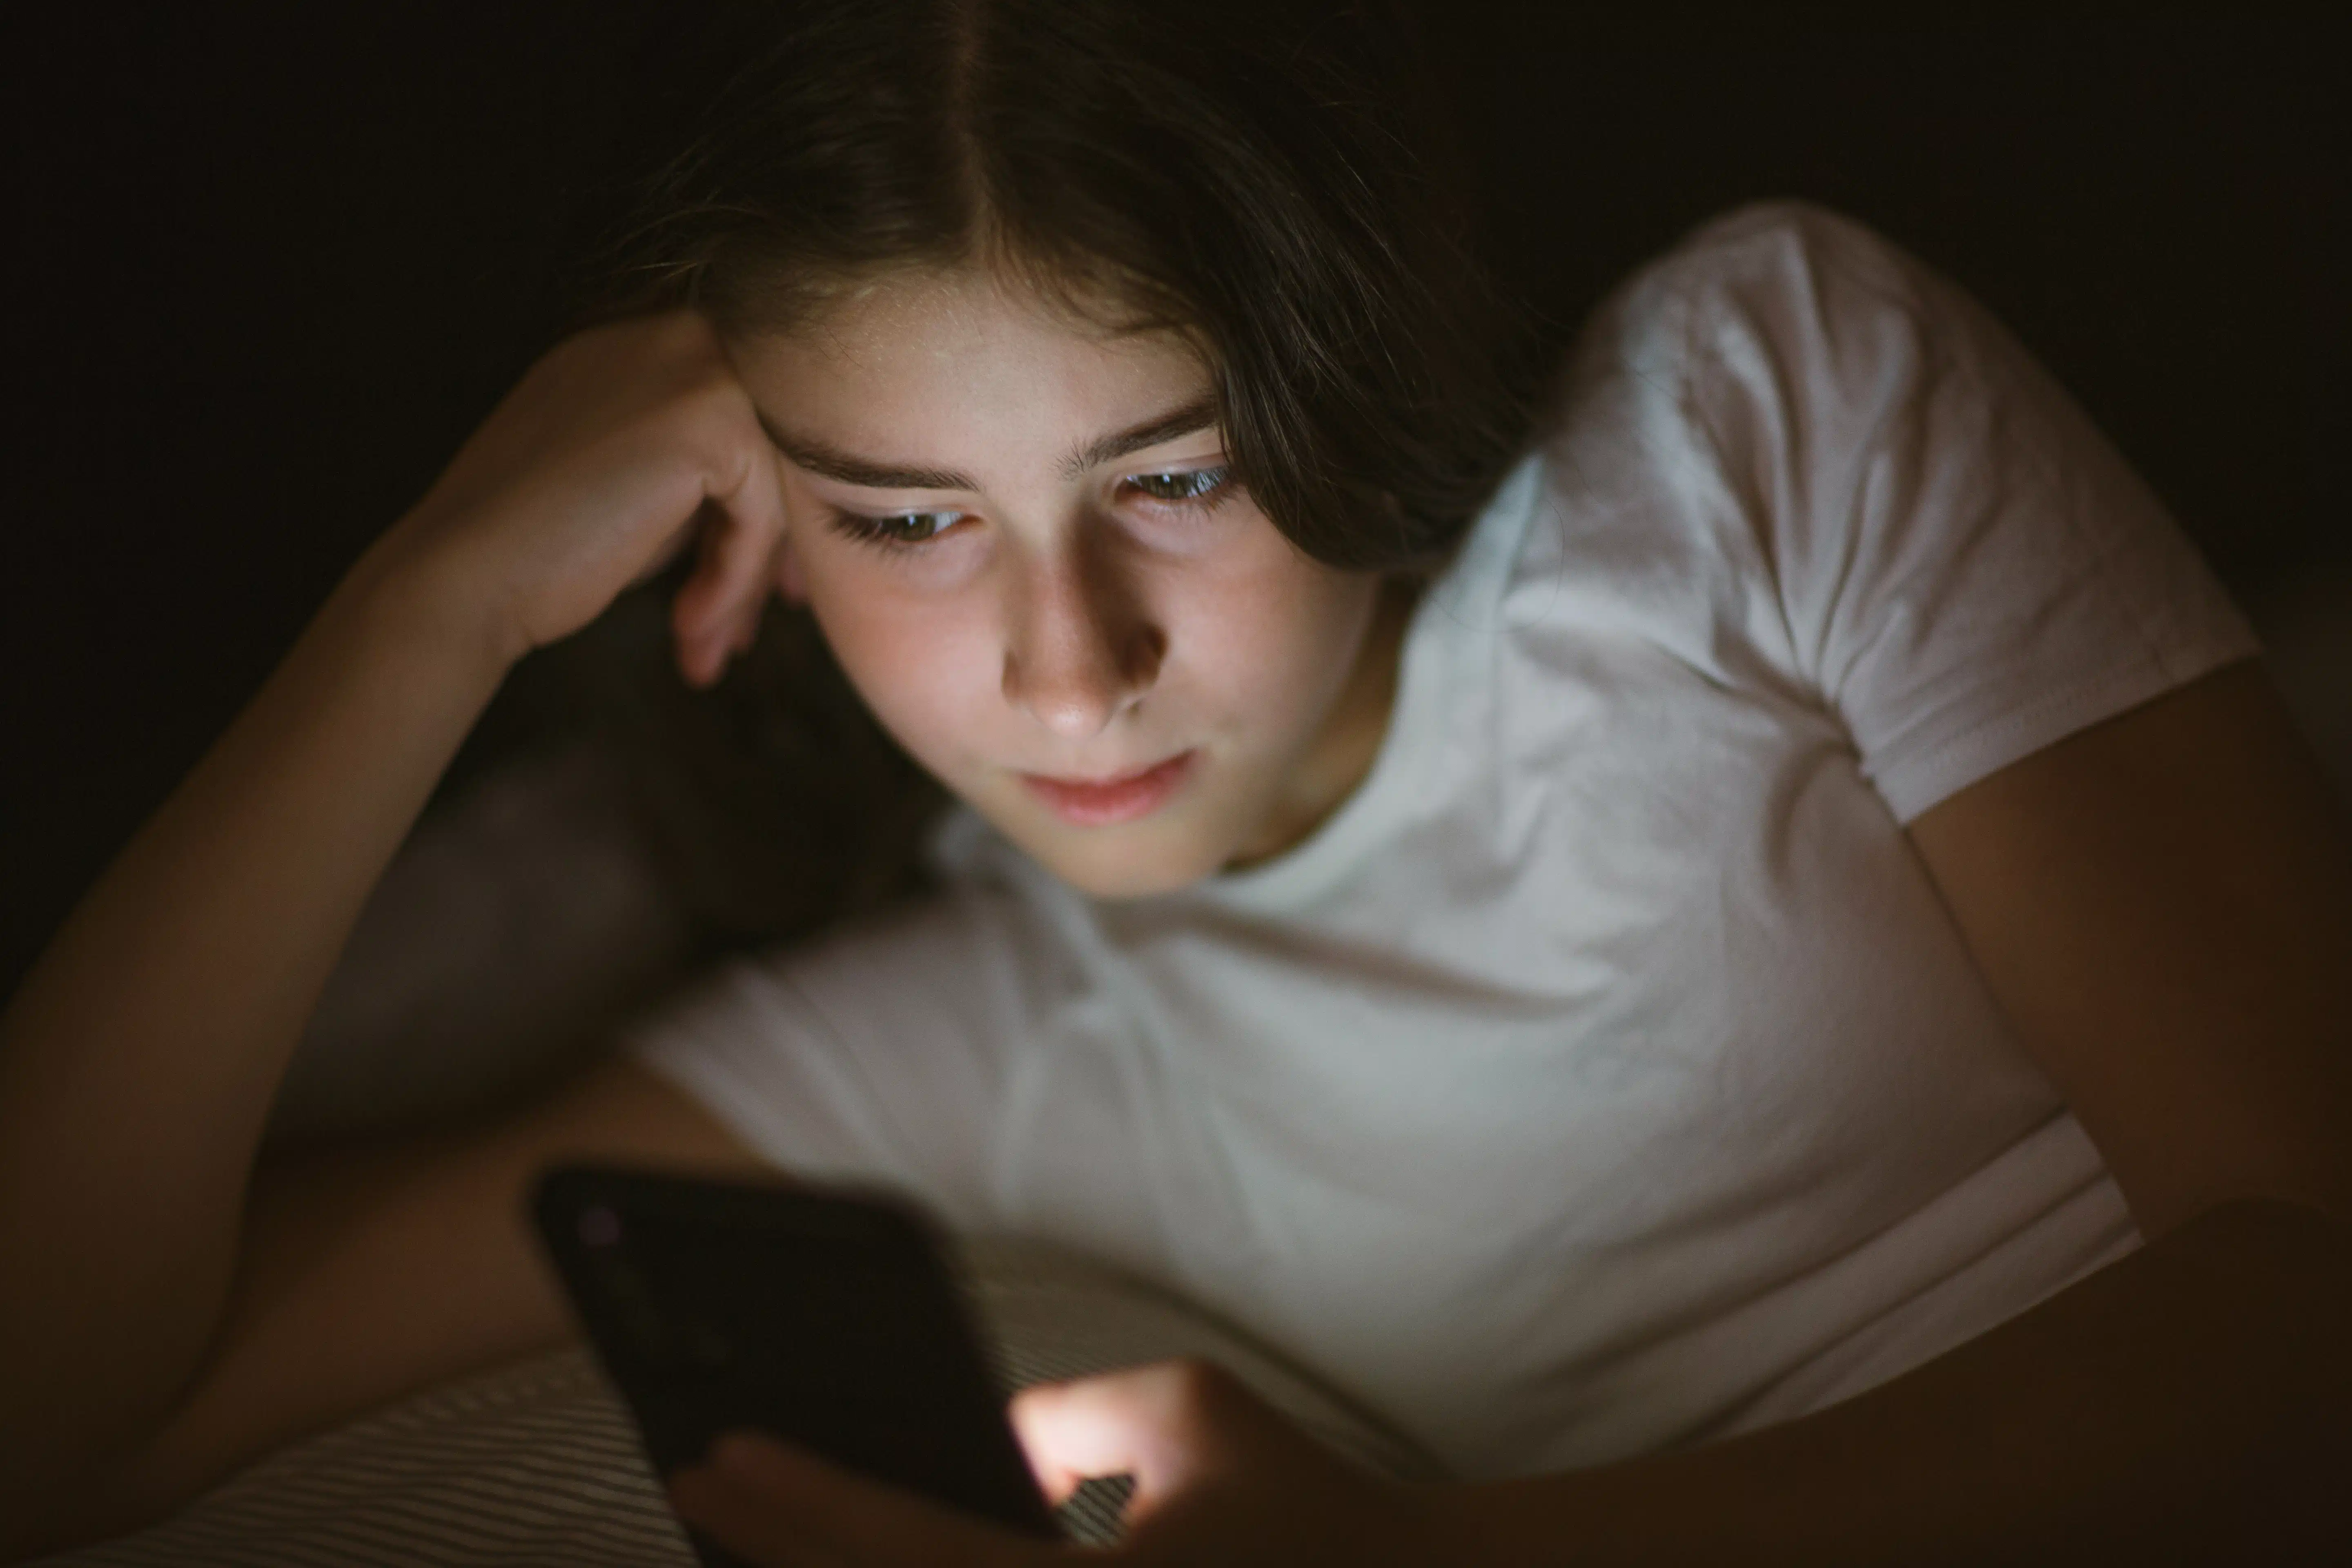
(824, 1318)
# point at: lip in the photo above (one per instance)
(1099, 803)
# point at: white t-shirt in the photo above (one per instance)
(1606, 1074)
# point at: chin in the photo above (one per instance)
(1111, 872)
(1130, 862)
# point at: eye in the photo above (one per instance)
(898, 529)
(1183, 486)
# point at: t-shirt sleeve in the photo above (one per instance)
(1966, 569)
(882, 1055)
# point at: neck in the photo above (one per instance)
(1344, 750)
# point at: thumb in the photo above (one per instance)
(1165, 1425)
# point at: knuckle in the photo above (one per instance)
(706, 393)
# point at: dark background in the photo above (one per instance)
(269, 265)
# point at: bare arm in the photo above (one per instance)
(364, 1273)
(138, 1062)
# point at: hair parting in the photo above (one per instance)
(1264, 178)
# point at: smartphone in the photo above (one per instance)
(825, 1317)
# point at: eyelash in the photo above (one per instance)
(883, 531)
(1192, 489)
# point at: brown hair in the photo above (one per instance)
(1264, 177)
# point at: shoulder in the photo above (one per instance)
(1783, 286)
(1769, 243)
(1771, 341)
(1778, 353)
(1772, 345)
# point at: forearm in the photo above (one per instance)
(2182, 1404)
(138, 1061)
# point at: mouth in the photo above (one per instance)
(1099, 803)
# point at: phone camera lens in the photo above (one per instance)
(599, 1226)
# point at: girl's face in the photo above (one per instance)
(1022, 543)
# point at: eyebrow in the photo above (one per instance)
(850, 468)
(1198, 415)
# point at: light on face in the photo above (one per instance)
(1008, 528)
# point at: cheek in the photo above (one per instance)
(927, 667)
(1260, 644)
(1273, 644)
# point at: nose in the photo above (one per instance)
(1079, 648)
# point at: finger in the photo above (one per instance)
(790, 581)
(1163, 1424)
(1072, 1433)
(743, 1520)
(770, 1498)
(718, 611)
(704, 638)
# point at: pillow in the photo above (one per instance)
(537, 1463)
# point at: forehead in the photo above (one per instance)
(960, 360)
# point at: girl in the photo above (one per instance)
(1750, 959)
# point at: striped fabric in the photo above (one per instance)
(537, 1463)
